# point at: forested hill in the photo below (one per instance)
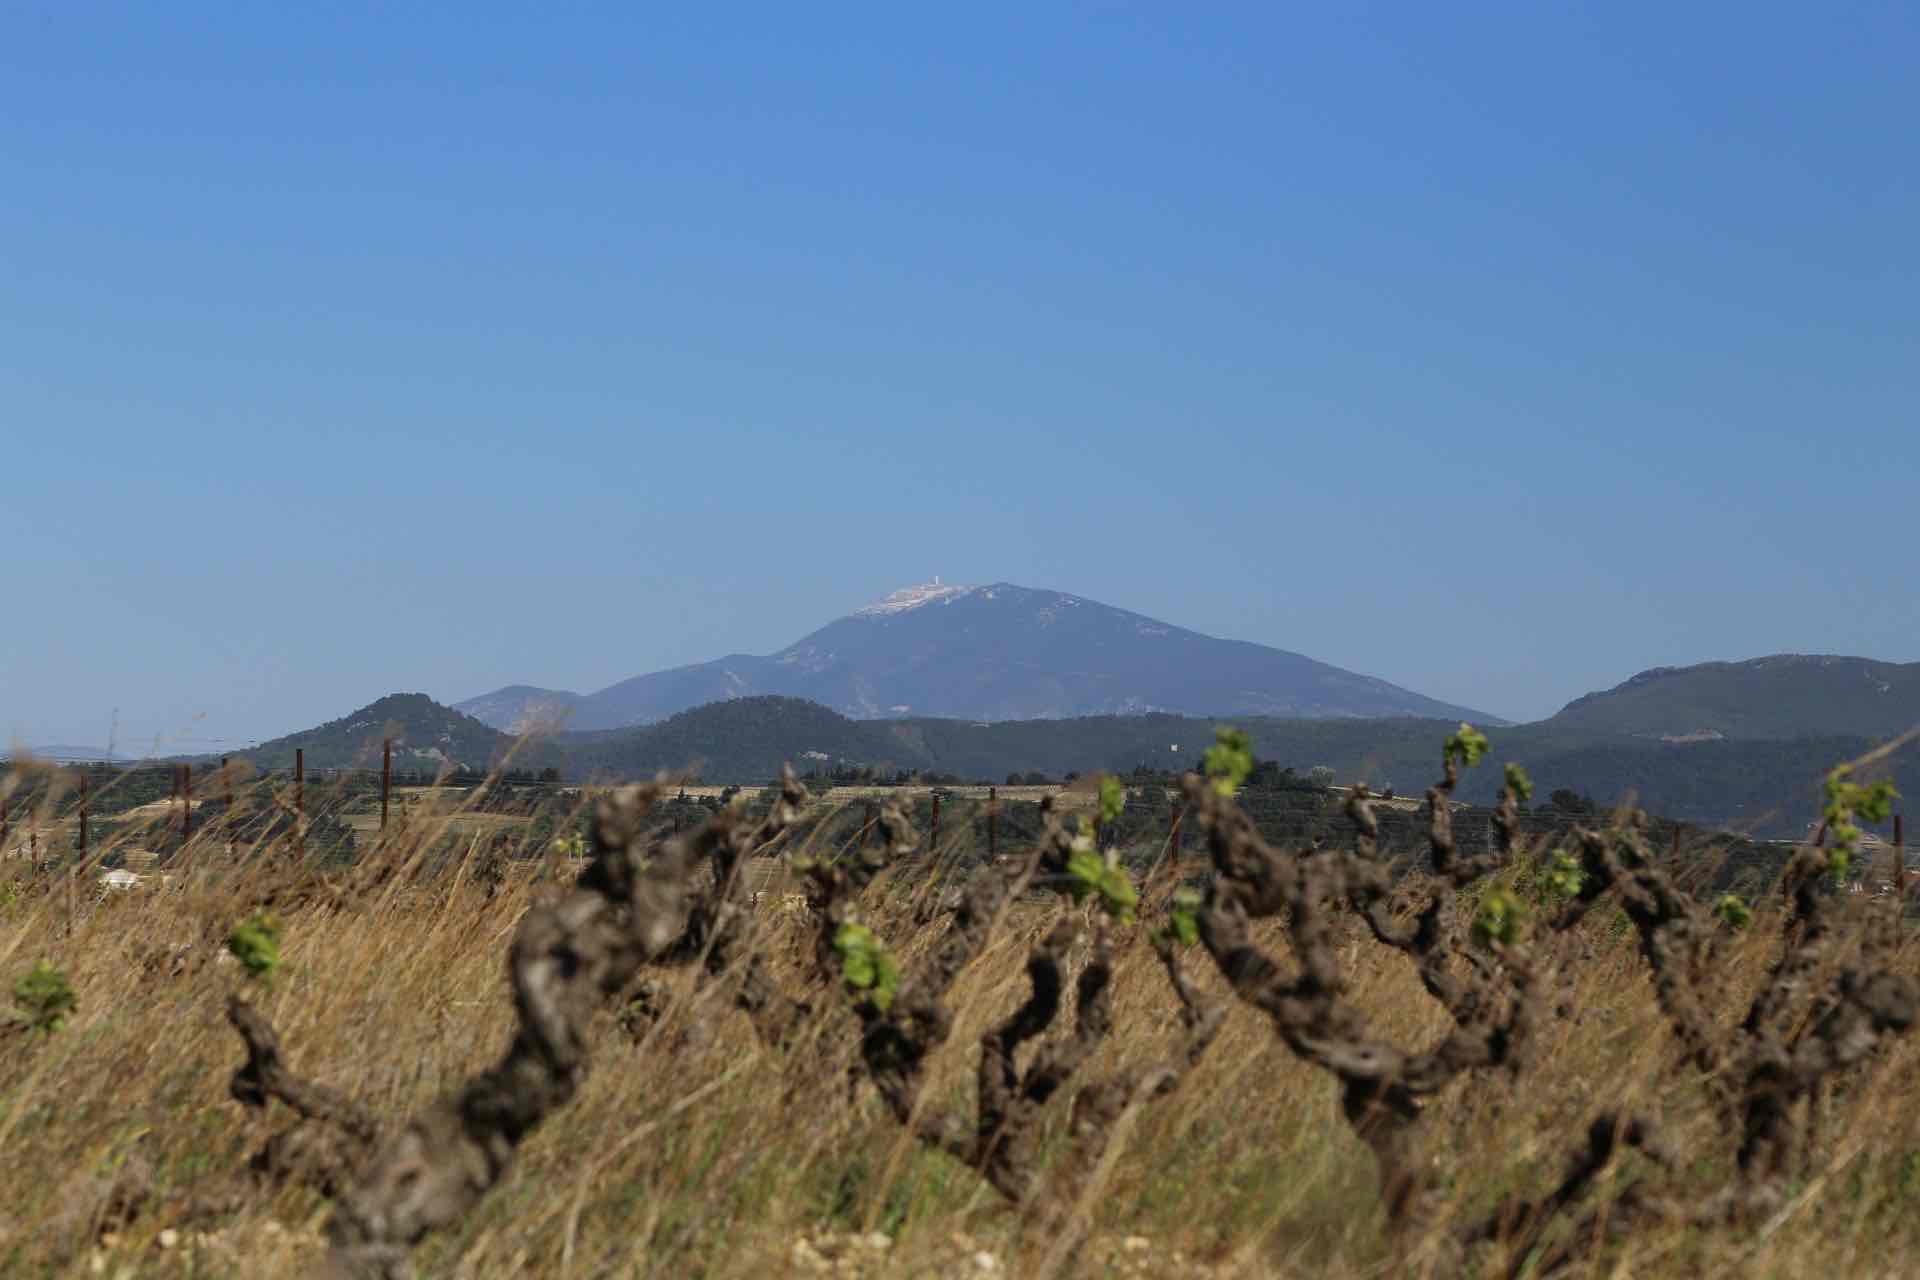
(737, 740)
(1784, 696)
(1760, 786)
(426, 737)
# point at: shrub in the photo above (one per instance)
(45, 998)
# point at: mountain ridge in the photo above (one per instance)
(994, 652)
(1757, 786)
(1781, 695)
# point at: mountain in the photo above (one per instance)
(999, 652)
(1787, 695)
(425, 736)
(521, 708)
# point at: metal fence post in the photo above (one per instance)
(1900, 858)
(299, 799)
(993, 823)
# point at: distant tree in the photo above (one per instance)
(1570, 801)
(1268, 773)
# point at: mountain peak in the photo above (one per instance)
(912, 597)
(999, 652)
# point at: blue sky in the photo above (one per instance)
(1499, 351)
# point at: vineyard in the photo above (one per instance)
(779, 1036)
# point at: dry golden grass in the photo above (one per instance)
(699, 1152)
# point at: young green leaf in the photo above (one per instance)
(1183, 917)
(1875, 803)
(1519, 783)
(1733, 911)
(1089, 875)
(1466, 746)
(866, 965)
(1229, 760)
(1113, 799)
(255, 943)
(1564, 878)
(1845, 802)
(1499, 919)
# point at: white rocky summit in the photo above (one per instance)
(912, 598)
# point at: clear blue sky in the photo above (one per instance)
(1499, 351)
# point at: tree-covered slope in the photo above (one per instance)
(735, 740)
(1783, 696)
(1762, 787)
(426, 736)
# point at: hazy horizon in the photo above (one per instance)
(1499, 354)
(124, 747)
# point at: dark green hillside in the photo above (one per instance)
(1354, 748)
(1401, 753)
(1766, 787)
(747, 739)
(1784, 696)
(425, 736)
(736, 740)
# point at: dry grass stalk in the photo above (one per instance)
(1596, 1155)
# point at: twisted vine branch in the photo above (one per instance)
(1001, 1139)
(1384, 1089)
